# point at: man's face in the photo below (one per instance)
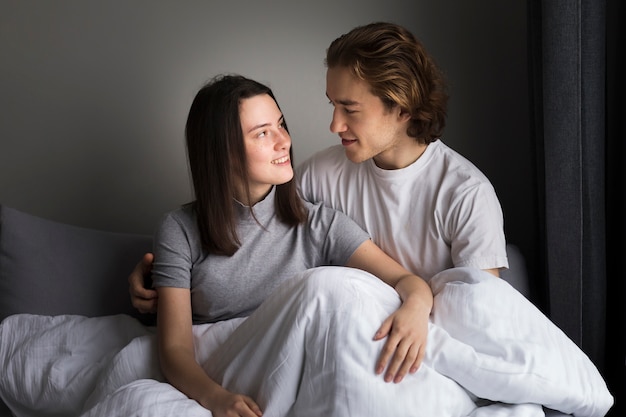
(366, 127)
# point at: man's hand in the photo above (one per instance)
(143, 299)
(406, 331)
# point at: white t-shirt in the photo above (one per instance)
(439, 212)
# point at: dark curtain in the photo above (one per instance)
(578, 100)
(615, 363)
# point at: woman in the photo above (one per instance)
(248, 234)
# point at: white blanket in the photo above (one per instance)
(308, 351)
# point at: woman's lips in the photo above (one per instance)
(281, 161)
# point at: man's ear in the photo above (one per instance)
(404, 116)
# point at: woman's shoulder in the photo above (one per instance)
(323, 216)
(314, 209)
(182, 217)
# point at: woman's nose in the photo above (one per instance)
(283, 140)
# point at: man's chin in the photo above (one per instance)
(355, 157)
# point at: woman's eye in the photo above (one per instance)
(262, 134)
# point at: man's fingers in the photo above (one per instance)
(146, 263)
(399, 358)
(389, 349)
(409, 362)
(384, 329)
(144, 300)
(419, 359)
(145, 305)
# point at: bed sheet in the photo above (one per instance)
(308, 351)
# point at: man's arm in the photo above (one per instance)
(493, 271)
(406, 329)
(143, 299)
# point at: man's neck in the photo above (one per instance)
(400, 155)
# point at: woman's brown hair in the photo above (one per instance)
(217, 160)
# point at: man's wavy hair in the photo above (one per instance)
(399, 71)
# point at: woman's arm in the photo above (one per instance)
(178, 362)
(407, 328)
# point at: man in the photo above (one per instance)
(420, 201)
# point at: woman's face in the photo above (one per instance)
(267, 145)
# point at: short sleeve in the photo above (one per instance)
(335, 234)
(172, 253)
(477, 229)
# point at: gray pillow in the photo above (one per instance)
(52, 268)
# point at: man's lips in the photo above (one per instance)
(347, 142)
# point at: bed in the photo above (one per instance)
(71, 343)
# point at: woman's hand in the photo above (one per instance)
(227, 404)
(178, 361)
(406, 331)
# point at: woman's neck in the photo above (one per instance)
(256, 194)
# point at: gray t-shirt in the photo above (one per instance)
(224, 287)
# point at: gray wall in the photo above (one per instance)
(94, 94)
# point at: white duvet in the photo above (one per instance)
(308, 351)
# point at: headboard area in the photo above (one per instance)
(52, 268)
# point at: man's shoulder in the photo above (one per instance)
(457, 165)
